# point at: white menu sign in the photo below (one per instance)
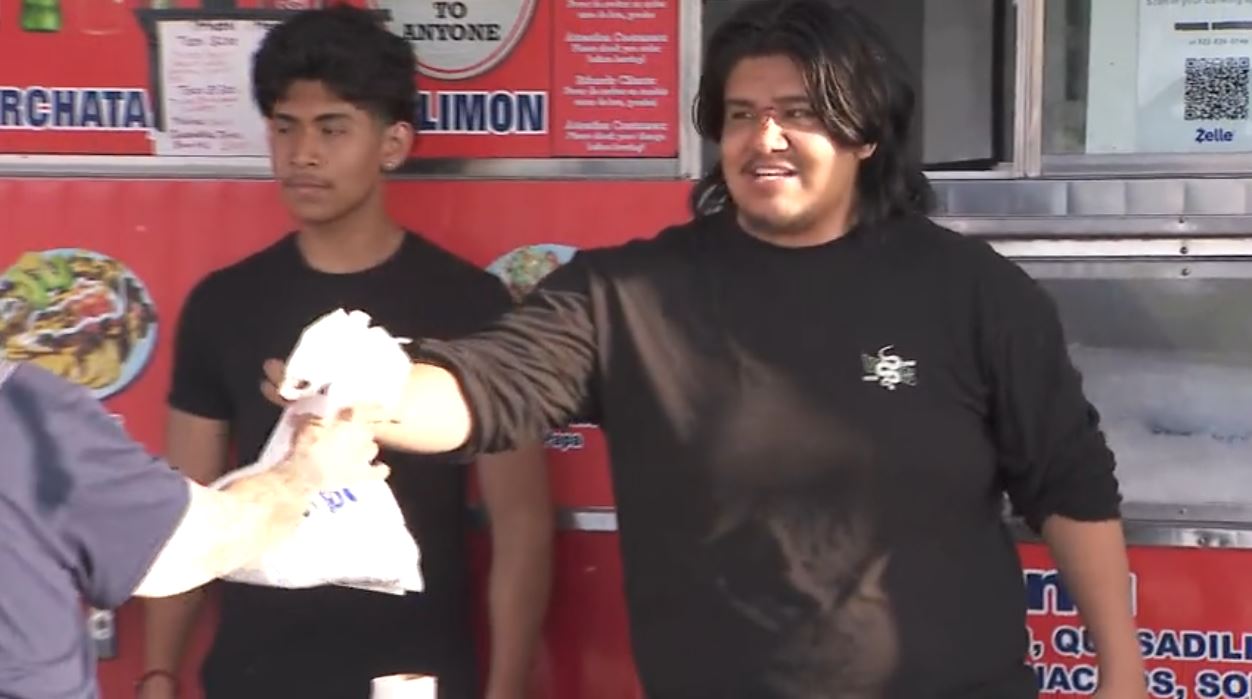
(206, 88)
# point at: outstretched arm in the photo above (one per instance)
(530, 372)
(223, 530)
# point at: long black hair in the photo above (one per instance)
(858, 85)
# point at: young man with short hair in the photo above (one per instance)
(336, 89)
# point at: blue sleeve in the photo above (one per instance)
(108, 505)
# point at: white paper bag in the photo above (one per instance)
(354, 536)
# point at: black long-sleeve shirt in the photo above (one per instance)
(809, 450)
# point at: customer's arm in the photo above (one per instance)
(124, 521)
(224, 530)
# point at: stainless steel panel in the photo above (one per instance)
(690, 56)
(1096, 198)
(1028, 105)
(588, 519)
(1218, 197)
(1152, 198)
(999, 198)
(1043, 230)
(1167, 534)
(1147, 165)
(568, 519)
(1107, 204)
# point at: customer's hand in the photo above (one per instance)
(335, 453)
(275, 371)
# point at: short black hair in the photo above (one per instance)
(346, 49)
(859, 86)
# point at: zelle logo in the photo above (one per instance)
(458, 40)
(1214, 135)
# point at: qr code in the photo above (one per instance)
(1216, 88)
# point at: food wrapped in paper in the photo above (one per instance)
(354, 536)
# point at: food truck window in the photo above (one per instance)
(1165, 350)
(1148, 77)
(962, 57)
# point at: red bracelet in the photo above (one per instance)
(139, 683)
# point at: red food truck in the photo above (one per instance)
(1105, 145)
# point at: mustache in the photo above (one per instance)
(305, 181)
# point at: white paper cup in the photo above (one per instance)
(403, 687)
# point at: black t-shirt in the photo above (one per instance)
(329, 641)
(810, 449)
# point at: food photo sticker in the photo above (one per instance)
(79, 314)
(521, 269)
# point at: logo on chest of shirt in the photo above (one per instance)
(888, 369)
